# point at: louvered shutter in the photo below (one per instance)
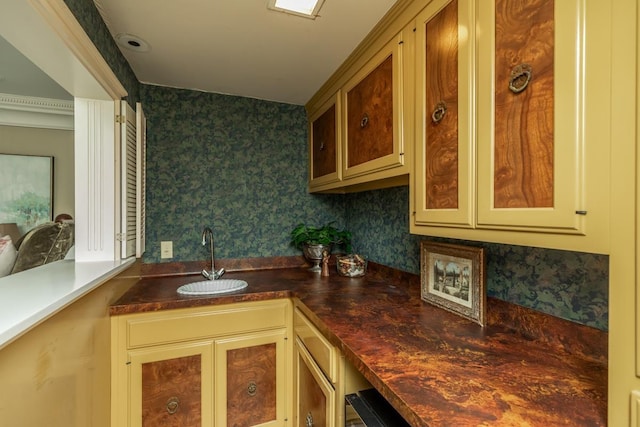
(141, 163)
(128, 180)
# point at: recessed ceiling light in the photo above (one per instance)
(304, 8)
(132, 42)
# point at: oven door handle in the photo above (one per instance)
(364, 411)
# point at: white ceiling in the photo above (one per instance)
(239, 47)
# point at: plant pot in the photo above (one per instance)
(314, 254)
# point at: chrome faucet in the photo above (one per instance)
(213, 274)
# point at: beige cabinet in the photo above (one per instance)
(504, 145)
(316, 396)
(325, 155)
(208, 366)
(322, 377)
(445, 141)
(372, 114)
(251, 374)
(172, 385)
(357, 130)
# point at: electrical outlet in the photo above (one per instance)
(166, 249)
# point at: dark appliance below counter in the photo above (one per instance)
(367, 408)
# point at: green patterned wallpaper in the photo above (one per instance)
(239, 165)
(570, 285)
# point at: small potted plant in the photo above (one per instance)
(315, 240)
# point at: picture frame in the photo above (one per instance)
(26, 194)
(453, 278)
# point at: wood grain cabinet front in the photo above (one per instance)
(171, 386)
(445, 140)
(325, 157)
(236, 376)
(503, 143)
(250, 382)
(372, 114)
(357, 130)
(322, 377)
(316, 396)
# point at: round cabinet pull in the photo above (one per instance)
(252, 389)
(520, 78)
(173, 404)
(439, 112)
(364, 121)
(309, 420)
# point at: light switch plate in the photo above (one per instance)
(166, 249)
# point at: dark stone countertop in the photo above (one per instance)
(437, 369)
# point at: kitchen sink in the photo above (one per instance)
(208, 287)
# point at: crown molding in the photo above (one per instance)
(30, 111)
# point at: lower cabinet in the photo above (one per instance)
(251, 377)
(171, 386)
(316, 395)
(207, 366)
(322, 377)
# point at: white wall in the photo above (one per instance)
(46, 142)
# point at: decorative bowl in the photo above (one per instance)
(352, 265)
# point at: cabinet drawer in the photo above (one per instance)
(196, 323)
(323, 352)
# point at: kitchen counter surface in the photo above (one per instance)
(437, 369)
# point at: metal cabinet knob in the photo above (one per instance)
(364, 121)
(173, 404)
(520, 78)
(252, 389)
(309, 420)
(438, 112)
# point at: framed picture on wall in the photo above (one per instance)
(452, 277)
(26, 190)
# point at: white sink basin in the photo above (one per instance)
(208, 287)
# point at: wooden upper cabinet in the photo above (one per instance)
(324, 135)
(530, 116)
(372, 114)
(444, 114)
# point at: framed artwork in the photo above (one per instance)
(452, 277)
(26, 192)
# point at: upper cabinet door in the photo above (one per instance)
(324, 146)
(372, 103)
(530, 115)
(444, 114)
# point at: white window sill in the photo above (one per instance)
(29, 297)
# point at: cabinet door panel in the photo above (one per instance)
(370, 116)
(441, 72)
(171, 392)
(316, 395)
(251, 385)
(444, 114)
(524, 138)
(372, 110)
(250, 380)
(531, 139)
(171, 385)
(324, 145)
